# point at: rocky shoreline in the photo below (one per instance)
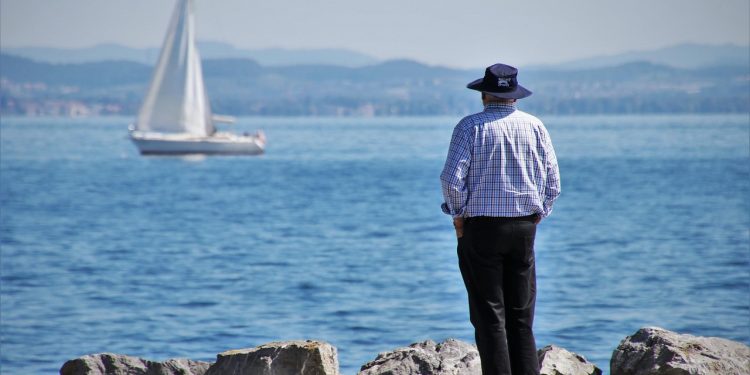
(649, 351)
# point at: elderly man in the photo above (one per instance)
(500, 179)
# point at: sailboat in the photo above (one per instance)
(175, 117)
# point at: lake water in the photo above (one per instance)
(336, 234)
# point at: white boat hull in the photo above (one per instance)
(179, 144)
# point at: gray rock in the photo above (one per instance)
(117, 364)
(279, 358)
(451, 357)
(554, 360)
(656, 351)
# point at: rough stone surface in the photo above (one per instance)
(117, 364)
(279, 358)
(656, 351)
(451, 357)
(554, 360)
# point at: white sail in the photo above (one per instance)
(176, 101)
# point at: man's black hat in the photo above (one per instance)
(500, 81)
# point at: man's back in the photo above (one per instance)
(500, 163)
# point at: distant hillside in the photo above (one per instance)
(640, 87)
(686, 56)
(399, 87)
(208, 50)
(101, 74)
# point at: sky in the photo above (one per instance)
(457, 33)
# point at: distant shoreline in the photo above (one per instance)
(131, 118)
(242, 87)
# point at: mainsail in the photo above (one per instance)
(176, 101)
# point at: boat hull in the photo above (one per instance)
(238, 145)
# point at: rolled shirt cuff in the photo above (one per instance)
(547, 208)
(447, 211)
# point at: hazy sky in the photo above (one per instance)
(461, 33)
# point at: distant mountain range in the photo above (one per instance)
(240, 86)
(208, 50)
(688, 56)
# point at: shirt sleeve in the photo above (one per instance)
(552, 185)
(453, 177)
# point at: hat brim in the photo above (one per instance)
(520, 92)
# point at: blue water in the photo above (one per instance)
(336, 234)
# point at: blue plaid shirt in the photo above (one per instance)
(500, 163)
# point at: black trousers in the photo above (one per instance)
(496, 258)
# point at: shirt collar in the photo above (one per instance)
(500, 106)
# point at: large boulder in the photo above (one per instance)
(656, 351)
(279, 358)
(554, 360)
(117, 364)
(451, 357)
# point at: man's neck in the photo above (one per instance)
(495, 103)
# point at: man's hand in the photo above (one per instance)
(458, 224)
